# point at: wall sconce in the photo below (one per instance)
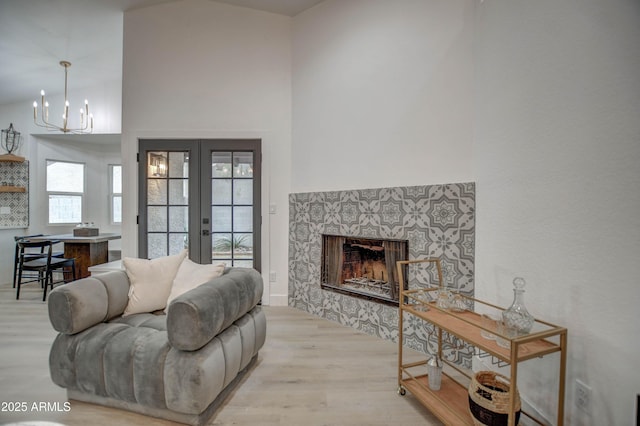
(157, 165)
(10, 139)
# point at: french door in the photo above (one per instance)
(203, 195)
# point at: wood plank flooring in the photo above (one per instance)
(310, 372)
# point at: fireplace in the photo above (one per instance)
(362, 267)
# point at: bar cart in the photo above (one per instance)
(450, 403)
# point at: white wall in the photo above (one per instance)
(201, 69)
(556, 155)
(382, 94)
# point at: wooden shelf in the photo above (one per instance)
(13, 189)
(449, 404)
(466, 326)
(12, 158)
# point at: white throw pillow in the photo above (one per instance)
(150, 282)
(190, 275)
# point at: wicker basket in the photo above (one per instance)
(489, 394)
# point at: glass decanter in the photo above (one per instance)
(517, 319)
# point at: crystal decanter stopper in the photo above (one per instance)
(517, 319)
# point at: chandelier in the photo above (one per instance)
(86, 119)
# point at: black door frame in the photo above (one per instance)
(200, 165)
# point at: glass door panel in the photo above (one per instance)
(232, 207)
(167, 202)
(243, 191)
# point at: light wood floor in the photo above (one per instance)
(310, 372)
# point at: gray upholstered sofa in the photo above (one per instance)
(179, 366)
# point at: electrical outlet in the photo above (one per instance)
(273, 277)
(582, 396)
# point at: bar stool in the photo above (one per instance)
(28, 255)
(44, 265)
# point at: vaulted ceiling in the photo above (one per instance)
(35, 35)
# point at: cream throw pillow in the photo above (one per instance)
(190, 275)
(150, 282)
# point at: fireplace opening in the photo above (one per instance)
(362, 267)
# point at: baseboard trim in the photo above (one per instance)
(279, 300)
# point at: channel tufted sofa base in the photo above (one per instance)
(180, 366)
(191, 419)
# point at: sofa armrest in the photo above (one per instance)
(86, 302)
(197, 316)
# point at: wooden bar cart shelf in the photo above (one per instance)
(450, 403)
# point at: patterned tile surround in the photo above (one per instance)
(14, 174)
(437, 220)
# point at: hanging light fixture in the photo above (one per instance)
(86, 119)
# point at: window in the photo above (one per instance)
(65, 191)
(115, 192)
